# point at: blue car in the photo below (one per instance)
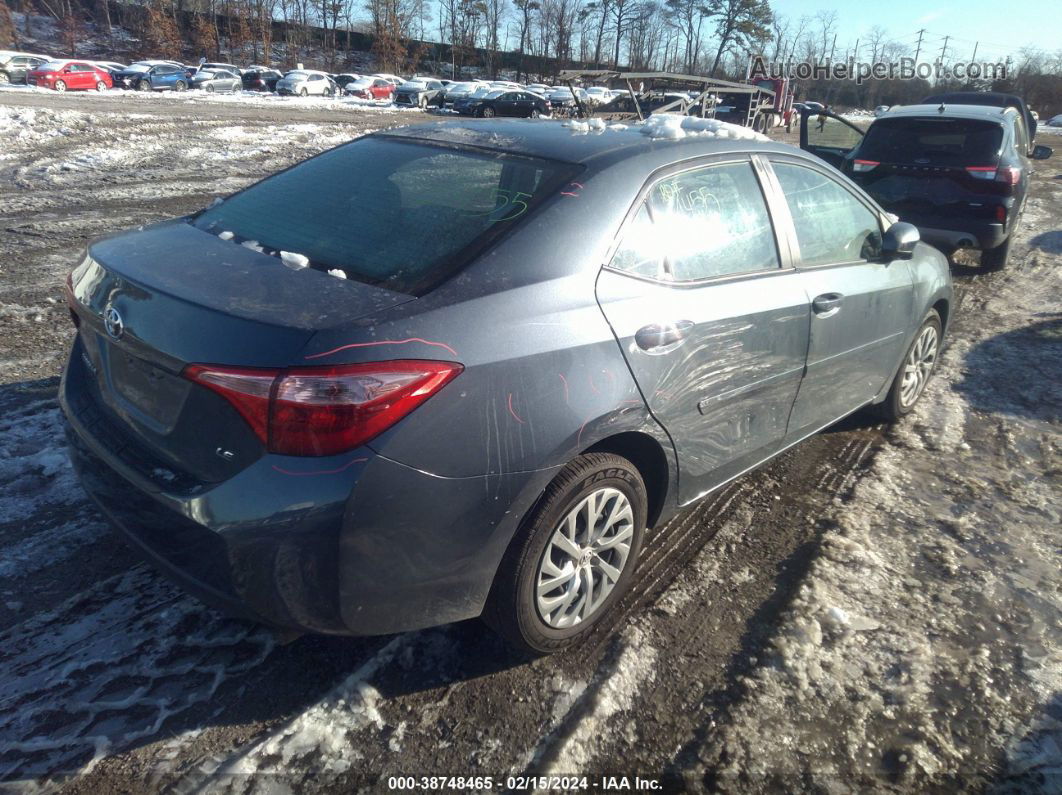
(152, 76)
(466, 381)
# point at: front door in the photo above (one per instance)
(861, 306)
(828, 136)
(713, 327)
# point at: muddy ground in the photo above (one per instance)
(112, 680)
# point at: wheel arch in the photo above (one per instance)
(649, 458)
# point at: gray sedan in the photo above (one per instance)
(466, 382)
(215, 80)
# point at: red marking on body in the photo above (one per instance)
(565, 381)
(381, 342)
(321, 471)
(515, 415)
(590, 378)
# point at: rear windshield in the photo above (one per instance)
(960, 142)
(403, 215)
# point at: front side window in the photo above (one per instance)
(832, 225)
(401, 215)
(640, 252)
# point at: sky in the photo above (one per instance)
(1000, 26)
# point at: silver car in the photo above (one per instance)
(306, 82)
(211, 80)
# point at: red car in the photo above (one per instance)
(70, 76)
(370, 88)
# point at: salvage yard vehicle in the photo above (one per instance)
(14, 66)
(70, 76)
(211, 80)
(260, 79)
(153, 76)
(960, 173)
(420, 93)
(505, 102)
(371, 88)
(282, 404)
(306, 82)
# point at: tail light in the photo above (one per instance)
(1008, 175)
(981, 172)
(315, 411)
(862, 166)
(1001, 214)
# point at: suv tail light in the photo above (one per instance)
(981, 172)
(1009, 175)
(316, 411)
(862, 166)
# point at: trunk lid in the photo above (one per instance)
(151, 302)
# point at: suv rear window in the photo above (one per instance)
(403, 215)
(959, 142)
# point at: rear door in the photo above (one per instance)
(861, 307)
(82, 76)
(710, 316)
(828, 136)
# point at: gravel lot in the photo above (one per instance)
(876, 609)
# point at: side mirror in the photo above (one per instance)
(899, 241)
(1042, 152)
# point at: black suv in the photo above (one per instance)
(960, 173)
(14, 66)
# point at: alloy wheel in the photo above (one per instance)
(919, 365)
(60, 85)
(584, 558)
(101, 86)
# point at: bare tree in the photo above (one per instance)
(740, 20)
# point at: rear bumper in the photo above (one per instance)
(964, 234)
(354, 544)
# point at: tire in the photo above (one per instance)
(759, 124)
(514, 609)
(143, 85)
(995, 259)
(919, 362)
(101, 86)
(487, 113)
(5, 77)
(209, 88)
(535, 113)
(303, 92)
(180, 85)
(60, 85)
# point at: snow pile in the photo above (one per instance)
(925, 638)
(670, 126)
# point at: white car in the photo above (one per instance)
(539, 88)
(599, 95)
(306, 82)
(1055, 121)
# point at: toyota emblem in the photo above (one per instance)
(113, 323)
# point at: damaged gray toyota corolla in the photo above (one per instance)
(457, 369)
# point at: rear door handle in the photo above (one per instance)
(827, 304)
(659, 335)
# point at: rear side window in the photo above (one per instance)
(832, 226)
(400, 214)
(948, 142)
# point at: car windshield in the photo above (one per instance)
(414, 85)
(297, 75)
(51, 66)
(962, 142)
(415, 213)
(207, 74)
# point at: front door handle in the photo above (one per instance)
(659, 335)
(827, 304)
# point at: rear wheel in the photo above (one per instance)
(101, 86)
(60, 85)
(997, 258)
(759, 124)
(918, 365)
(573, 556)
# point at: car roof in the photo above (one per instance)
(570, 142)
(20, 54)
(983, 112)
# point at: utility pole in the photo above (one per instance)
(918, 49)
(974, 56)
(943, 51)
